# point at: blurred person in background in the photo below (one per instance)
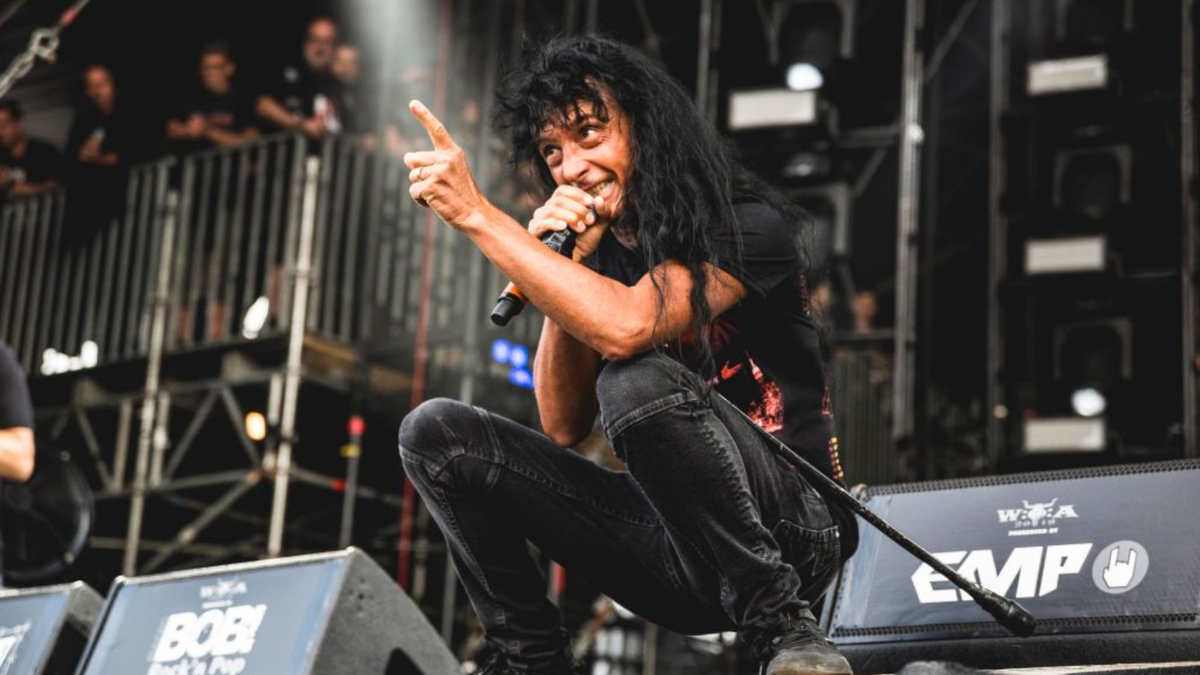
(27, 165)
(103, 133)
(16, 427)
(354, 107)
(105, 139)
(303, 97)
(221, 116)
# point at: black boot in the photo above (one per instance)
(795, 645)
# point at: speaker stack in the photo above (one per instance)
(43, 630)
(331, 613)
(1107, 560)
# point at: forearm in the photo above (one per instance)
(564, 376)
(605, 315)
(270, 109)
(16, 454)
(226, 138)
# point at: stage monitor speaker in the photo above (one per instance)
(1106, 559)
(43, 630)
(326, 614)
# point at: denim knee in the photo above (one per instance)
(429, 434)
(632, 390)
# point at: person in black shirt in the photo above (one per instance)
(16, 426)
(220, 116)
(103, 134)
(303, 97)
(354, 109)
(682, 319)
(27, 165)
(105, 139)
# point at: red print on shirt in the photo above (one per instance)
(752, 391)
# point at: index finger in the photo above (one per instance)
(436, 130)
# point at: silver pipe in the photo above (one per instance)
(1187, 144)
(997, 233)
(121, 302)
(907, 224)
(45, 334)
(291, 386)
(150, 393)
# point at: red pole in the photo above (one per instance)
(427, 262)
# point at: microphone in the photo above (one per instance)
(511, 300)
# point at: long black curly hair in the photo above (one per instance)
(685, 177)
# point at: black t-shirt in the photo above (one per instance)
(41, 162)
(305, 93)
(229, 112)
(118, 132)
(15, 409)
(766, 348)
(353, 109)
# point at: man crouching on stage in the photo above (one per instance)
(686, 280)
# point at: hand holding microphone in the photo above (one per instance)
(571, 222)
(441, 180)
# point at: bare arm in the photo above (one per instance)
(16, 453)
(616, 320)
(564, 377)
(227, 138)
(613, 319)
(27, 188)
(273, 111)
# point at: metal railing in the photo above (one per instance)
(235, 249)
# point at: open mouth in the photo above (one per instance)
(596, 189)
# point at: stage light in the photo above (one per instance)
(256, 426)
(763, 108)
(1057, 76)
(804, 77)
(521, 378)
(518, 356)
(1065, 255)
(1093, 182)
(1065, 434)
(1088, 402)
(501, 351)
(255, 318)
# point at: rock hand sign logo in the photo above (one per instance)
(1036, 518)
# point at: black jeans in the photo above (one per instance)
(707, 531)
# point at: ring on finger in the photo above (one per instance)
(419, 172)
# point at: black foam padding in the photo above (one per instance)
(1164, 647)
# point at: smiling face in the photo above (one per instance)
(591, 150)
